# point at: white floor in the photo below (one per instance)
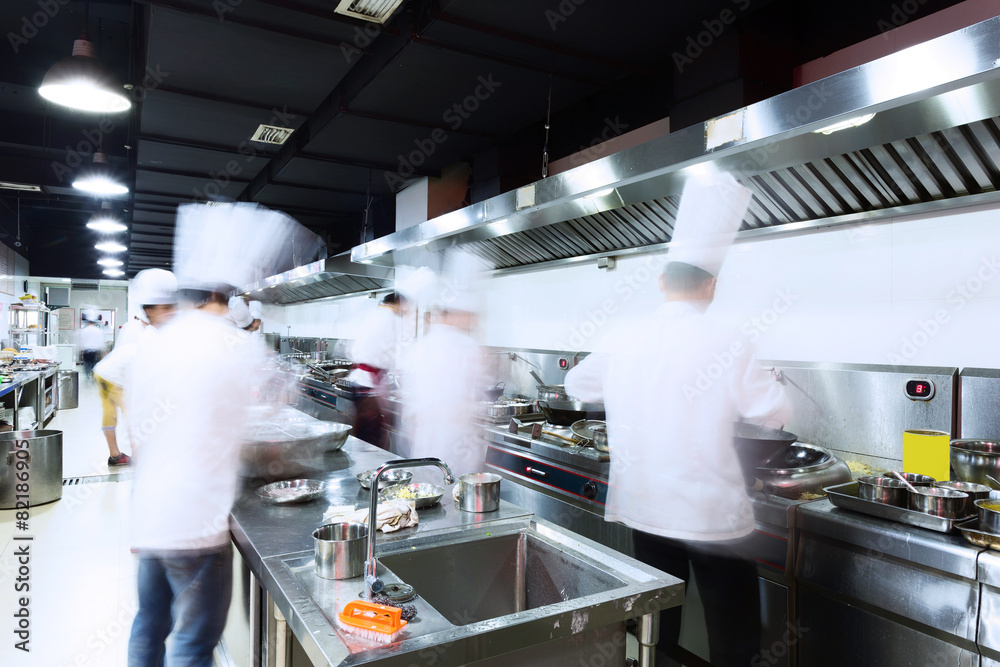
(82, 575)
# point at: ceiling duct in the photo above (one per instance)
(84, 285)
(331, 277)
(376, 11)
(932, 144)
(271, 134)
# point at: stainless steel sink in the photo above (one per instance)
(478, 580)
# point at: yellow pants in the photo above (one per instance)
(111, 402)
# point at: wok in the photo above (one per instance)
(756, 444)
(565, 413)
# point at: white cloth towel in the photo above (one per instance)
(392, 515)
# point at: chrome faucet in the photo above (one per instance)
(372, 583)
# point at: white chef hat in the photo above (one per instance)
(239, 312)
(460, 285)
(221, 246)
(710, 214)
(256, 309)
(414, 283)
(90, 315)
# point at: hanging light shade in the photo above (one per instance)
(99, 180)
(104, 221)
(114, 273)
(107, 261)
(81, 82)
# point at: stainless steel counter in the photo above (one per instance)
(872, 591)
(276, 543)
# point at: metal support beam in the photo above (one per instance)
(385, 118)
(221, 99)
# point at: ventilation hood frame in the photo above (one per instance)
(335, 276)
(930, 146)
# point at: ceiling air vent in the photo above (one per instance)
(269, 134)
(84, 284)
(377, 11)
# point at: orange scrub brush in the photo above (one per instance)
(376, 622)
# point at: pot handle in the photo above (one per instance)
(544, 407)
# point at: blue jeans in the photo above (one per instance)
(186, 594)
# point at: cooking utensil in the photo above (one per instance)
(424, 495)
(756, 444)
(502, 409)
(388, 478)
(801, 468)
(572, 441)
(538, 380)
(584, 428)
(494, 392)
(568, 412)
(884, 490)
(988, 512)
(972, 460)
(846, 496)
(291, 491)
(909, 485)
(478, 492)
(993, 481)
(973, 490)
(601, 439)
(927, 452)
(340, 550)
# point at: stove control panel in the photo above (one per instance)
(919, 390)
(547, 474)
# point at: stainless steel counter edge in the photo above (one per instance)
(460, 645)
(21, 378)
(945, 552)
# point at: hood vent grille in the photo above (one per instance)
(933, 167)
(84, 285)
(376, 11)
(270, 134)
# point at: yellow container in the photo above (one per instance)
(927, 453)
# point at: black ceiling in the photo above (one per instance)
(361, 100)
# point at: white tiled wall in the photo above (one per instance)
(922, 290)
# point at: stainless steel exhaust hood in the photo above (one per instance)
(933, 143)
(330, 277)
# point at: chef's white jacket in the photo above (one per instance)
(375, 345)
(672, 387)
(91, 337)
(190, 388)
(441, 384)
(114, 367)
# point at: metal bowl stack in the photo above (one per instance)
(973, 460)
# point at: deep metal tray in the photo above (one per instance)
(980, 538)
(846, 496)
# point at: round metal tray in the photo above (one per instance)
(389, 478)
(291, 491)
(423, 495)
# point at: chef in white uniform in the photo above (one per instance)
(189, 394)
(444, 372)
(672, 386)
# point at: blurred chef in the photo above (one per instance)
(374, 354)
(189, 393)
(155, 290)
(444, 372)
(256, 312)
(675, 478)
(239, 313)
(91, 340)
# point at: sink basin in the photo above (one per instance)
(477, 580)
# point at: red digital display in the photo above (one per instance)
(921, 390)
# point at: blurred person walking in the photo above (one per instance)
(675, 478)
(444, 374)
(90, 340)
(188, 420)
(155, 290)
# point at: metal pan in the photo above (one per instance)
(574, 411)
(756, 444)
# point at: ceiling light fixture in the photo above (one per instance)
(845, 125)
(105, 221)
(114, 273)
(22, 187)
(81, 82)
(110, 246)
(99, 180)
(600, 193)
(108, 261)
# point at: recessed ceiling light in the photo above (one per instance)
(114, 273)
(110, 246)
(108, 261)
(81, 82)
(601, 193)
(99, 179)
